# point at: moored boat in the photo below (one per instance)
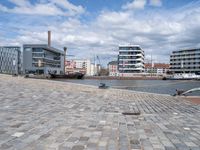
(68, 76)
(183, 76)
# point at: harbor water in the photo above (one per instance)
(151, 86)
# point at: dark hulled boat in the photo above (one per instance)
(68, 76)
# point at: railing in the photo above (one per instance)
(131, 59)
(131, 51)
(190, 65)
(187, 56)
(132, 55)
(191, 61)
(186, 53)
(138, 68)
(51, 59)
(131, 64)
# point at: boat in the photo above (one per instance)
(183, 76)
(76, 75)
(56, 76)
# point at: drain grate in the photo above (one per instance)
(131, 113)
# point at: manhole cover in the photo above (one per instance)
(131, 113)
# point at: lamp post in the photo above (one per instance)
(65, 51)
(13, 68)
(39, 65)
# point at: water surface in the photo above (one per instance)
(152, 86)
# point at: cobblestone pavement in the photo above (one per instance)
(49, 115)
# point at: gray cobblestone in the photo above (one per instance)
(62, 116)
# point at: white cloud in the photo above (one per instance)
(67, 5)
(49, 8)
(157, 33)
(135, 4)
(156, 3)
(3, 8)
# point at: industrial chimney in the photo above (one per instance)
(49, 38)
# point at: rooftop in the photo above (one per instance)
(189, 49)
(113, 63)
(16, 48)
(128, 45)
(45, 46)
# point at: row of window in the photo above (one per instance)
(46, 65)
(186, 51)
(129, 48)
(184, 63)
(129, 53)
(185, 68)
(185, 55)
(9, 49)
(132, 66)
(37, 50)
(130, 71)
(129, 62)
(184, 59)
(41, 55)
(129, 57)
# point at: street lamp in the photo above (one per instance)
(65, 51)
(39, 65)
(13, 68)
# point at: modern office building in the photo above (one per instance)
(130, 60)
(185, 61)
(42, 59)
(113, 68)
(10, 60)
(78, 65)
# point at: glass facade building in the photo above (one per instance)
(42, 59)
(185, 61)
(10, 60)
(130, 59)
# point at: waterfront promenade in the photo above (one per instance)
(51, 115)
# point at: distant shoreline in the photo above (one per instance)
(124, 78)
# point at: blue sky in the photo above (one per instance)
(97, 27)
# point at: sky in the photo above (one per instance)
(90, 28)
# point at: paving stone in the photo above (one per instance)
(62, 116)
(78, 147)
(84, 138)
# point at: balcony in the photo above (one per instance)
(187, 65)
(185, 57)
(131, 59)
(140, 55)
(186, 61)
(186, 53)
(138, 68)
(51, 59)
(131, 51)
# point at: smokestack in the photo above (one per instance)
(49, 38)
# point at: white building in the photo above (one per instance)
(185, 61)
(92, 70)
(78, 65)
(156, 68)
(130, 60)
(113, 68)
(95, 69)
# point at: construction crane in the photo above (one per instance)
(98, 70)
